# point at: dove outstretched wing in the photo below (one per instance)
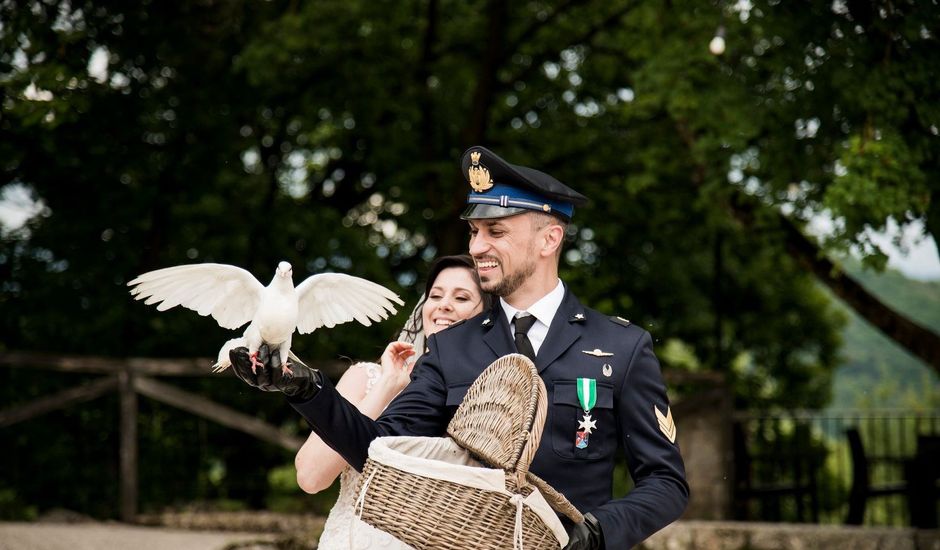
(329, 299)
(228, 293)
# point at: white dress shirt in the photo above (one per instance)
(543, 310)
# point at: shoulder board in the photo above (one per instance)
(619, 320)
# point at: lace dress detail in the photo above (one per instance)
(342, 519)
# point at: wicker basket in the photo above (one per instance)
(435, 493)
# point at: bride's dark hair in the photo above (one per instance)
(414, 326)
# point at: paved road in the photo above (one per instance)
(108, 536)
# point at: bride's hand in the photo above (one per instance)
(396, 367)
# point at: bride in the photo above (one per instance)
(452, 293)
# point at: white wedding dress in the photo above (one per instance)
(343, 530)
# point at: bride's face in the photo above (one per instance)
(454, 296)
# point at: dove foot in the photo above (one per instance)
(255, 363)
(285, 370)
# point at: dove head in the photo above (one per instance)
(284, 270)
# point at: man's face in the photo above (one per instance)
(504, 251)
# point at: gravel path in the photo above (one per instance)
(107, 536)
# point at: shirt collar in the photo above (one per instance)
(544, 309)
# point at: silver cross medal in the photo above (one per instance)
(587, 396)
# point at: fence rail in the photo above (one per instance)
(876, 467)
(131, 377)
(834, 466)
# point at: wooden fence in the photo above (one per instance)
(135, 376)
(131, 377)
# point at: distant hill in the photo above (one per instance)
(877, 372)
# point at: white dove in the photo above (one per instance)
(234, 297)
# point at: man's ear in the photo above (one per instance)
(553, 237)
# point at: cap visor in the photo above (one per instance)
(489, 211)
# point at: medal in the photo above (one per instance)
(587, 396)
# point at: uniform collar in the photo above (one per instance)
(544, 309)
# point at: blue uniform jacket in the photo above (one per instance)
(624, 412)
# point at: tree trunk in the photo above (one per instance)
(918, 340)
(915, 338)
(453, 238)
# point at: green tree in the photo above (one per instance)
(326, 134)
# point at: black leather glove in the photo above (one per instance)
(586, 535)
(299, 385)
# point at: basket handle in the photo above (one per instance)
(532, 436)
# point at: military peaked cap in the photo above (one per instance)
(499, 189)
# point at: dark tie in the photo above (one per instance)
(523, 345)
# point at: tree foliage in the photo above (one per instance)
(327, 134)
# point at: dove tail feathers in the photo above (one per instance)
(223, 361)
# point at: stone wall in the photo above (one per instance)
(728, 535)
(703, 421)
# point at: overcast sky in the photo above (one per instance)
(920, 262)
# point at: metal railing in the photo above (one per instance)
(803, 466)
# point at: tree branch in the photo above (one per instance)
(535, 27)
(553, 53)
(915, 338)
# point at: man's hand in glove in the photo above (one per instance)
(299, 384)
(586, 535)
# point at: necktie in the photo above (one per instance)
(523, 345)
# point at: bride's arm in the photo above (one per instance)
(317, 464)
(393, 377)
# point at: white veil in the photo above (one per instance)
(416, 324)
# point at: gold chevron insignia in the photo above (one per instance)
(478, 175)
(666, 423)
(596, 352)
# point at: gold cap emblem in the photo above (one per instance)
(478, 174)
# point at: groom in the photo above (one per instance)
(604, 384)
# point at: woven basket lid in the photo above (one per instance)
(501, 419)
(497, 419)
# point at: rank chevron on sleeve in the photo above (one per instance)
(666, 424)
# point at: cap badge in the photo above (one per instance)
(478, 174)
